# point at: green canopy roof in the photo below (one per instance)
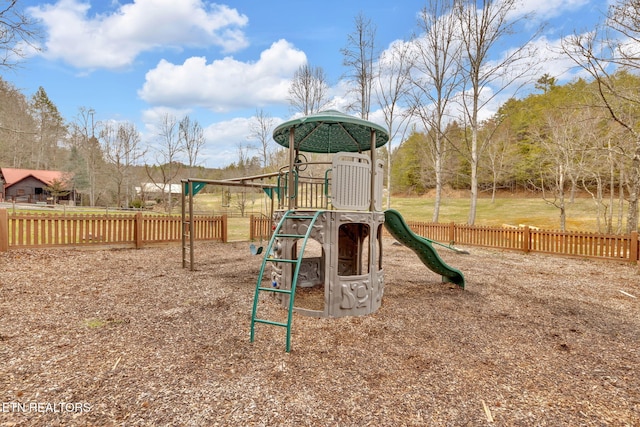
(330, 132)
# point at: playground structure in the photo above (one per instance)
(327, 226)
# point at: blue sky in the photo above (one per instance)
(219, 62)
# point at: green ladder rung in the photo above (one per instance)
(277, 290)
(291, 261)
(300, 217)
(271, 322)
(291, 236)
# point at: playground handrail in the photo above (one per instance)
(309, 191)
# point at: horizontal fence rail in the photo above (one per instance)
(29, 230)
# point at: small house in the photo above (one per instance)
(36, 186)
(149, 191)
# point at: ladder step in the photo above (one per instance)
(291, 261)
(270, 322)
(300, 217)
(277, 290)
(291, 236)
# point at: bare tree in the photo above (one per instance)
(121, 146)
(18, 33)
(247, 164)
(391, 92)
(17, 127)
(600, 170)
(166, 167)
(435, 79)
(260, 128)
(308, 92)
(358, 56)
(483, 25)
(560, 136)
(191, 137)
(500, 152)
(606, 53)
(87, 156)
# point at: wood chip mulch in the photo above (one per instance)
(127, 337)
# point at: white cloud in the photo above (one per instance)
(223, 141)
(547, 9)
(227, 83)
(555, 63)
(153, 117)
(114, 39)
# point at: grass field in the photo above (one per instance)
(532, 211)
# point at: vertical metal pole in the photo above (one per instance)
(269, 227)
(372, 204)
(373, 253)
(191, 226)
(292, 159)
(183, 225)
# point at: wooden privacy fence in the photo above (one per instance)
(260, 227)
(569, 243)
(29, 230)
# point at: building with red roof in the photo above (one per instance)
(34, 186)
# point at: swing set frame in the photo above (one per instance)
(191, 187)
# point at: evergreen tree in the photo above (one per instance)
(50, 132)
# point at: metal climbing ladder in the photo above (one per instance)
(287, 219)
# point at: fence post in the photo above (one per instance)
(4, 230)
(526, 239)
(634, 247)
(137, 223)
(452, 232)
(224, 228)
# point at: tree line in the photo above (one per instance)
(556, 144)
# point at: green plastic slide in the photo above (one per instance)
(422, 247)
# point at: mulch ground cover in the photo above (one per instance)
(128, 337)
